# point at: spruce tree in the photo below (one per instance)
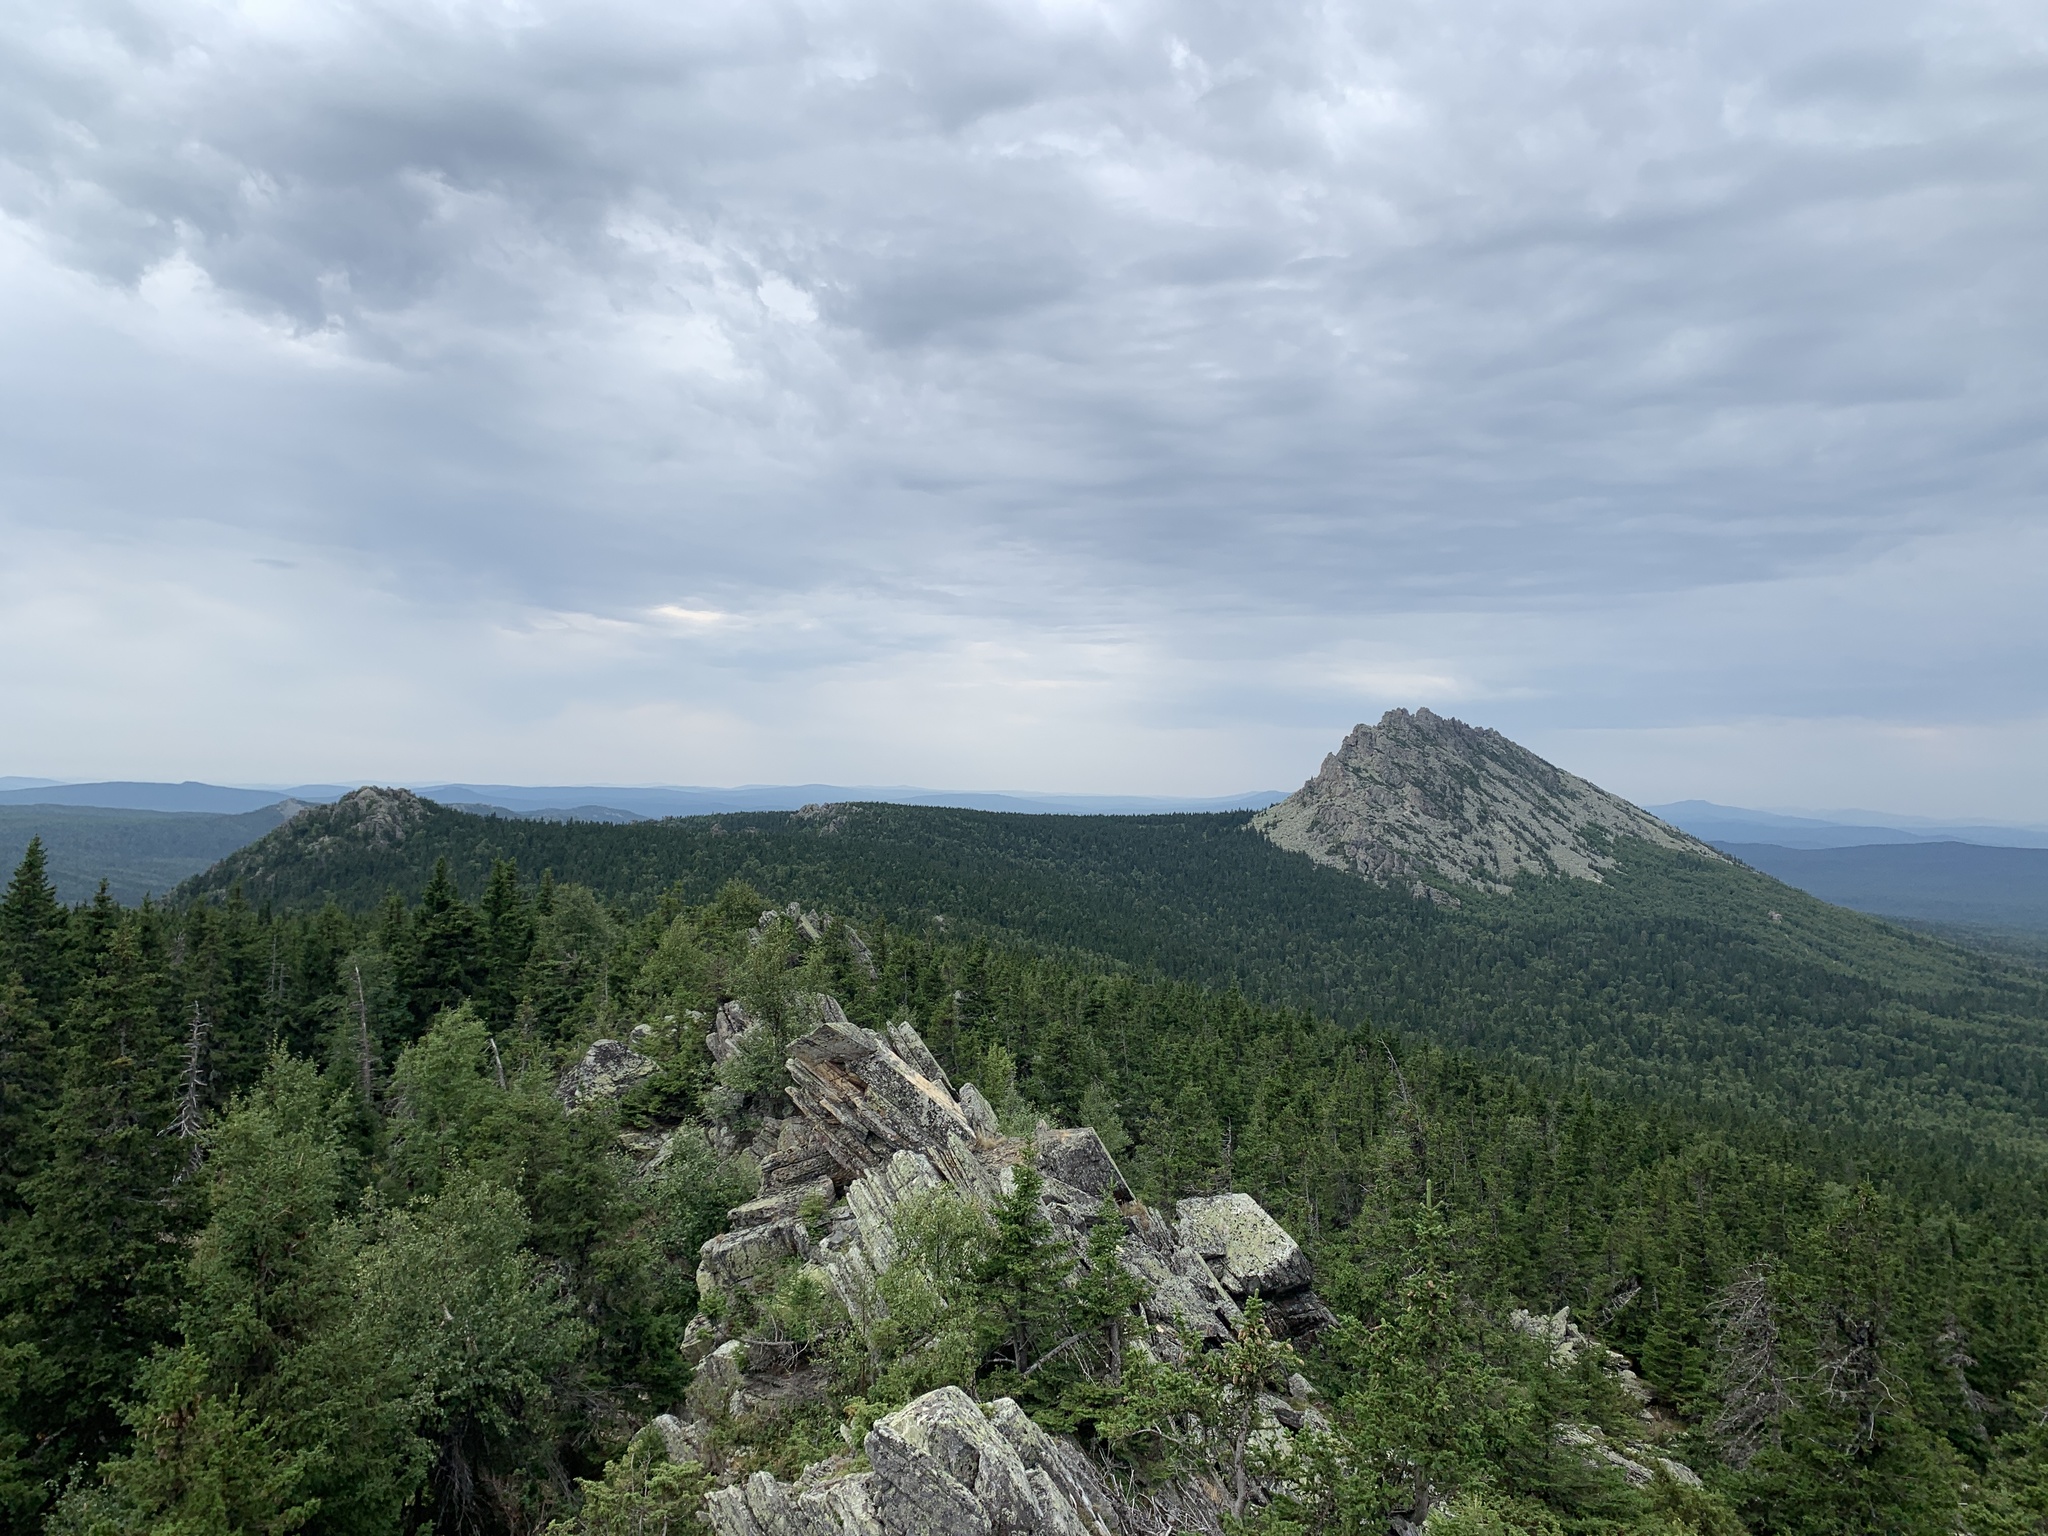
(32, 923)
(1026, 1265)
(93, 1264)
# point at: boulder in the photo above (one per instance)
(981, 1114)
(718, 1377)
(608, 1069)
(765, 1506)
(681, 1440)
(1079, 1158)
(941, 1466)
(1247, 1250)
(733, 1259)
(731, 1022)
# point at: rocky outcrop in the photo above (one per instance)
(607, 1071)
(1250, 1254)
(877, 1122)
(1424, 802)
(943, 1465)
(1569, 1343)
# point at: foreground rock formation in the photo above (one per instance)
(877, 1119)
(1426, 802)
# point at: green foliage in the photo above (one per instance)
(1023, 1270)
(641, 1493)
(1784, 1166)
(202, 1465)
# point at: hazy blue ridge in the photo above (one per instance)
(1945, 882)
(1733, 824)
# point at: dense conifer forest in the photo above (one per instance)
(298, 1236)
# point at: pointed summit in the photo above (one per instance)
(1425, 801)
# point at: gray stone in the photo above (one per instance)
(1421, 795)
(784, 1204)
(681, 1441)
(1249, 1252)
(941, 1466)
(732, 1259)
(608, 1069)
(700, 1337)
(1079, 1158)
(718, 1377)
(981, 1115)
(867, 1103)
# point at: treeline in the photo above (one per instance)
(456, 1301)
(1680, 978)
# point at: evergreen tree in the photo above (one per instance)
(32, 924)
(507, 940)
(446, 957)
(93, 1265)
(1106, 1294)
(1021, 1277)
(27, 1071)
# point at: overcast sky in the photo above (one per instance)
(1117, 398)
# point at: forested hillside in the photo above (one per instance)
(136, 853)
(1679, 977)
(298, 1236)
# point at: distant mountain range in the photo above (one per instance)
(1847, 829)
(602, 802)
(1971, 874)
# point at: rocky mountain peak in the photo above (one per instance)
(1429, 802)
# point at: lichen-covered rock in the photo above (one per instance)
(681, 1439)
(785, 1204)
(608, 1069)
(765, 1506)
(1568, 1343)
(718, 1377)
(1638, 1464)
(732, 1259)
(866, 1103)
(1248, 1251)
(981, 1115)
(942, 1466)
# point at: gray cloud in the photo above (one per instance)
(1249, 369)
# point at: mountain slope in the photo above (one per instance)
(1425, 802)
(1679, 973)
(135, 852)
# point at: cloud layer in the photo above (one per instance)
(1113, 397)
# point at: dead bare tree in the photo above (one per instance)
(1754, 1392)
(1852, 1373)
(191, 1116)
(366, 1061)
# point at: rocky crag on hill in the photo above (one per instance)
(876, 1123)
(1429, 802)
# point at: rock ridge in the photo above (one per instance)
(1428, 802)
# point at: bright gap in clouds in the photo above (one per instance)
(1114, 399)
